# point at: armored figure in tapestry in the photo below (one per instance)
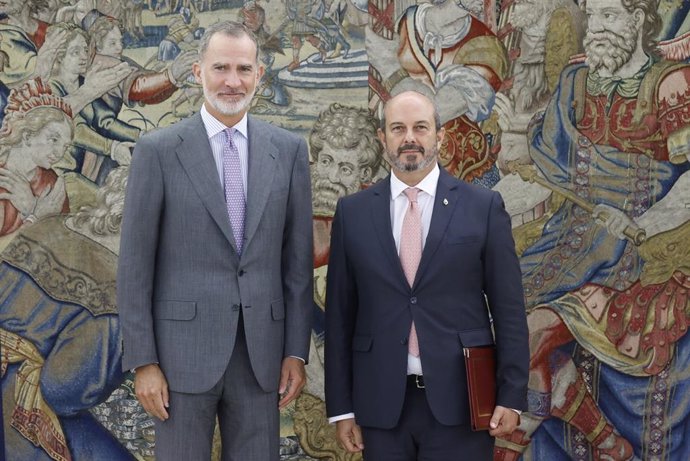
(612, 145)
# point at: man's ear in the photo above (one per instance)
(196, 70)
(440, 136)
(382, 136)
(26, 138)
(639, 17)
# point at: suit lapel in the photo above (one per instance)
(262, 166)
(381, 215)
(444, 206)
(201, 170)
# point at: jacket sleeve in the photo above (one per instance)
(341, 311)
(503, 289)
(297, 256)
(137, 260)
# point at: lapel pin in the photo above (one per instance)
(445, 201)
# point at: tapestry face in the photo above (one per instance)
(577, 112)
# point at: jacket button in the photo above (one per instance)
(413, 300)
(235, 307)
(241, 272)
(403, 341)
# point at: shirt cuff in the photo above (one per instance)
(335, 419)
(519, 412)
(134, 370)
(299, 358)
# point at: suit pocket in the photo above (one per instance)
(278, 194)
(174, 310)
(362, 343)
(278, 309)
(463, 239)
(476, 337)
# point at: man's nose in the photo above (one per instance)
(333, 175)
(594, 24)
(232, 79)
(409, 136)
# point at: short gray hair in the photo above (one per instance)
(228, 28)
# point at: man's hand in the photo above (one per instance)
(503, 422)
(182, 66)
(613, 219)
(50, 201)
(349, 435)
(121, 153)
(292, 380)
(151, 388)
(18, 191)
(100, 79)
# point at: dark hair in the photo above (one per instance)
(652, 21)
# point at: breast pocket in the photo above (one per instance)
(463, 239)
(280, 193)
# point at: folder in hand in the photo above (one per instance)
(480, 366)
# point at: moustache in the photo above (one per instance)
(324, 185)
(416, 147)
(608, 37)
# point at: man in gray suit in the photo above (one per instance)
(214, 283)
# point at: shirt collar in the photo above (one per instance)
(214, 126)
(428, 184)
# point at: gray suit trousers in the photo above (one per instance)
(248, 417)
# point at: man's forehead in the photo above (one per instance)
(601, 5)
(409, 104)
(344, 152)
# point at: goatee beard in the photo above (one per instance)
(229, 108)
(410, 165)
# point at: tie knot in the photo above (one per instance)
(411, 193)
(228, 134)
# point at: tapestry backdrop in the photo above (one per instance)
(577, 112)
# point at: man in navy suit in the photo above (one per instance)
(390, 399)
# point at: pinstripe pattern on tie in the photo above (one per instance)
(232, 185)
(411, 252)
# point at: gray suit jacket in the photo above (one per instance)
(181, 284)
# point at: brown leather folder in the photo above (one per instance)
(480, 365)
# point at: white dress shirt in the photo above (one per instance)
(399, 205)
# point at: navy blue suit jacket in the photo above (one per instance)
(468, 264)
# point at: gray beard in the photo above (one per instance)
(617, 51)
(526, 14)
(325, 195)
(229, 109)
(529, 86)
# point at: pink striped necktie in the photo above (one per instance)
(411, 252)
(233, 188)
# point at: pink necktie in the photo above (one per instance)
(234, 191)
(411, 252)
